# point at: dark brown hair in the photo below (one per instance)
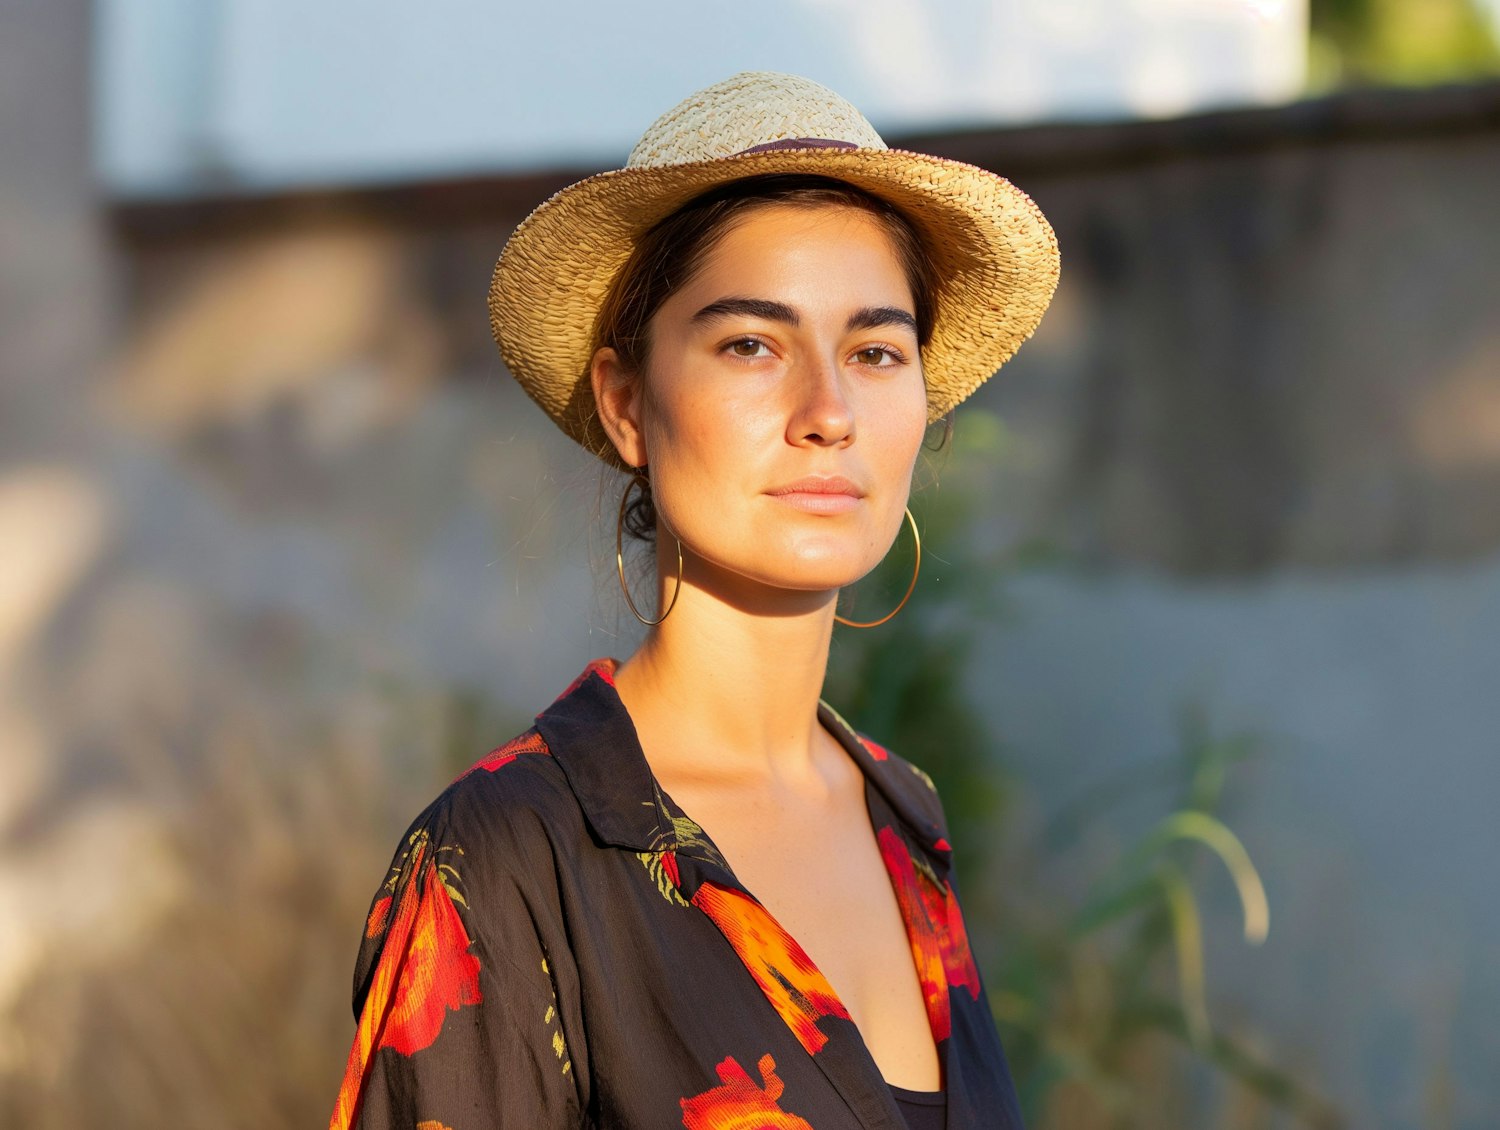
(674, 249)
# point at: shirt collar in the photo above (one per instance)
(906, 788)
(593, 739)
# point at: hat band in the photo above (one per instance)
(799, 143)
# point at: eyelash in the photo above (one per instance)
(896, 355)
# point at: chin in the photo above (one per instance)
(799, 560)
(814, 574)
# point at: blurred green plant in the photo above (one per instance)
(1082, 992)
(1102, 1001)
(1400, 42)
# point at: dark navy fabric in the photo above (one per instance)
(557, 944)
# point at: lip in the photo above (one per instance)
(819, 484)
(820, 494)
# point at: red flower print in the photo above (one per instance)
(425, 970)
(952, 936)
(935, 928)
(529, 742)
(788, 977)
(738, 1104)
(604, 667)
(438, 972)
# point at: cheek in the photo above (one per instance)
(710, 433)
(697, 447)
(904, 426)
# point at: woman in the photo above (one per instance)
(691, 895)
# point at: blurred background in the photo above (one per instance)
(1210, 610)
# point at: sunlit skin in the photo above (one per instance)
(791, 354)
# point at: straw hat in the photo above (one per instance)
(994, 252)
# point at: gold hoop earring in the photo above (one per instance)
(644, 483)
(917, 568)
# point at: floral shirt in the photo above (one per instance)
(558, 945)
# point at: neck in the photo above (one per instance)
(717, 676)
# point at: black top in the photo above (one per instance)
(923, 1110)
(557, 944)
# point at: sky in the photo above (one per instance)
(196, 95)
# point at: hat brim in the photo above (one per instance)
(995, 256)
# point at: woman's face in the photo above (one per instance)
(783, 404)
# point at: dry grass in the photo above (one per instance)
(231, 1010)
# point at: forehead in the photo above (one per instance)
(827, 249)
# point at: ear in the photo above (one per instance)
(617, 394)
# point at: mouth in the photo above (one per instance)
(817, 494)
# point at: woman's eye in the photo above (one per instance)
(877, 355)
(746, 347)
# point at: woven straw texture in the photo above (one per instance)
(995, 254)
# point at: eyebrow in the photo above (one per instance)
(872, 317)
(753, 307)
(866, 318)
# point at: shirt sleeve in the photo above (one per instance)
(455, 1000)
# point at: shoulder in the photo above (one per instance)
(510, 810)
(493, 852)
(475, 881)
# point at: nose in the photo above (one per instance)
(823, 414)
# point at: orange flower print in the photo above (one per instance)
(935, 928)
(424, 972)
(788, 977)
(738, 1104)
(378, 914)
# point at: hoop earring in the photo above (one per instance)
(917, 538)
(640, 480)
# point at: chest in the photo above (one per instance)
(817, 869)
